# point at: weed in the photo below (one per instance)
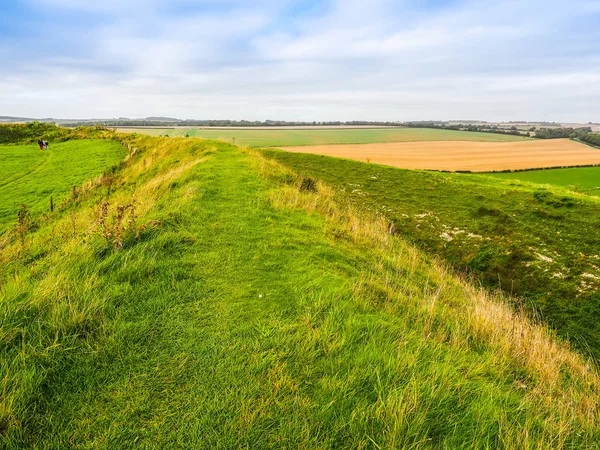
(483, 211)
(307, 185)
(24, 223)
(553, 200)
(113, 230)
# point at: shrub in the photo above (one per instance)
(307, 185)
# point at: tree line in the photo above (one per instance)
(584, 134)
(591, 138)
(562, 133)
(481, 128)
(227, 123)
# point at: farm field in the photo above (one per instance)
(462, 155)
(287, 137)
(151, 131)
(580, 179)
(30, 177)
(242, 305)
(537, 242)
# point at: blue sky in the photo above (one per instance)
(301, 60)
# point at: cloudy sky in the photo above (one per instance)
(301, 60)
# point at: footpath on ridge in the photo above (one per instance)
(208, 324)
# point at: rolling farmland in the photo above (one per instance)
(412, 148)
(304, 137)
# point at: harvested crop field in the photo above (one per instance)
(463, 155)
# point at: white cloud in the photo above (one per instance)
(379, 60)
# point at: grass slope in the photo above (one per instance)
(31, 132)
(539, 243)
(29, 176)
(11, 133)
(276, 138)
(582, 179)
(232, 310)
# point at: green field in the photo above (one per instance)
(537, 242)
(280, 138)
(217, 300)
(30, 177)
(582, 179)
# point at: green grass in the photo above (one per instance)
(30, 132)
(235, 315)
(539, 243)
(279, 138)
(12, 133)
(581, 179)
(29, 176)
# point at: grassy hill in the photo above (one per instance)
(537, 242)
(278, 138)
(30, 177)
(208, 297)
(31, 132)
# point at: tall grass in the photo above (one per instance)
(555, 379)
(535, 242)
(49, 277)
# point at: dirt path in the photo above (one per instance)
(463, 155)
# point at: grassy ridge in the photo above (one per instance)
(30, 177)
(539, 243)
(11, 133)
(210, 302)
(581, 179)
(275, 138)
(31, 132)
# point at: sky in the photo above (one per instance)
(301, 60)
